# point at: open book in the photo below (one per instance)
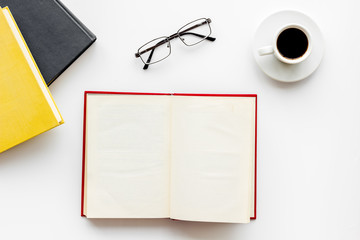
(180, 156)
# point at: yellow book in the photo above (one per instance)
(26, 105)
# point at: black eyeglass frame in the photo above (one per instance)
(178, 34)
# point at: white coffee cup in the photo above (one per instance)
(289, 45)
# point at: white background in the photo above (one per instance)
(308, 132)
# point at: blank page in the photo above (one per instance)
(212, 158)
(127, 156)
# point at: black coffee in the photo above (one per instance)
(292, 43)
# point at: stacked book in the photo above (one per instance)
(39, 40)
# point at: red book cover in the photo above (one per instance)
(174, 94)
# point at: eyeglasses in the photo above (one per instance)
(191, 34)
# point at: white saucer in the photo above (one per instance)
(270, 65)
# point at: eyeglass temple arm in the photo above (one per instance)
(151, 48)
(208, 20)
(175, 35)
(146, 66)
(172, 37)
(198, 35)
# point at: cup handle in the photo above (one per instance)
(266, 50)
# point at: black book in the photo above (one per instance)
(55, 37)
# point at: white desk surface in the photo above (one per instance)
(308, 132)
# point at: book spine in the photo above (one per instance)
(76, 20)
(255, 174)
(83, 161)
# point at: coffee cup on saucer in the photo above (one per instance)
(291, 44)
(288, 46)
